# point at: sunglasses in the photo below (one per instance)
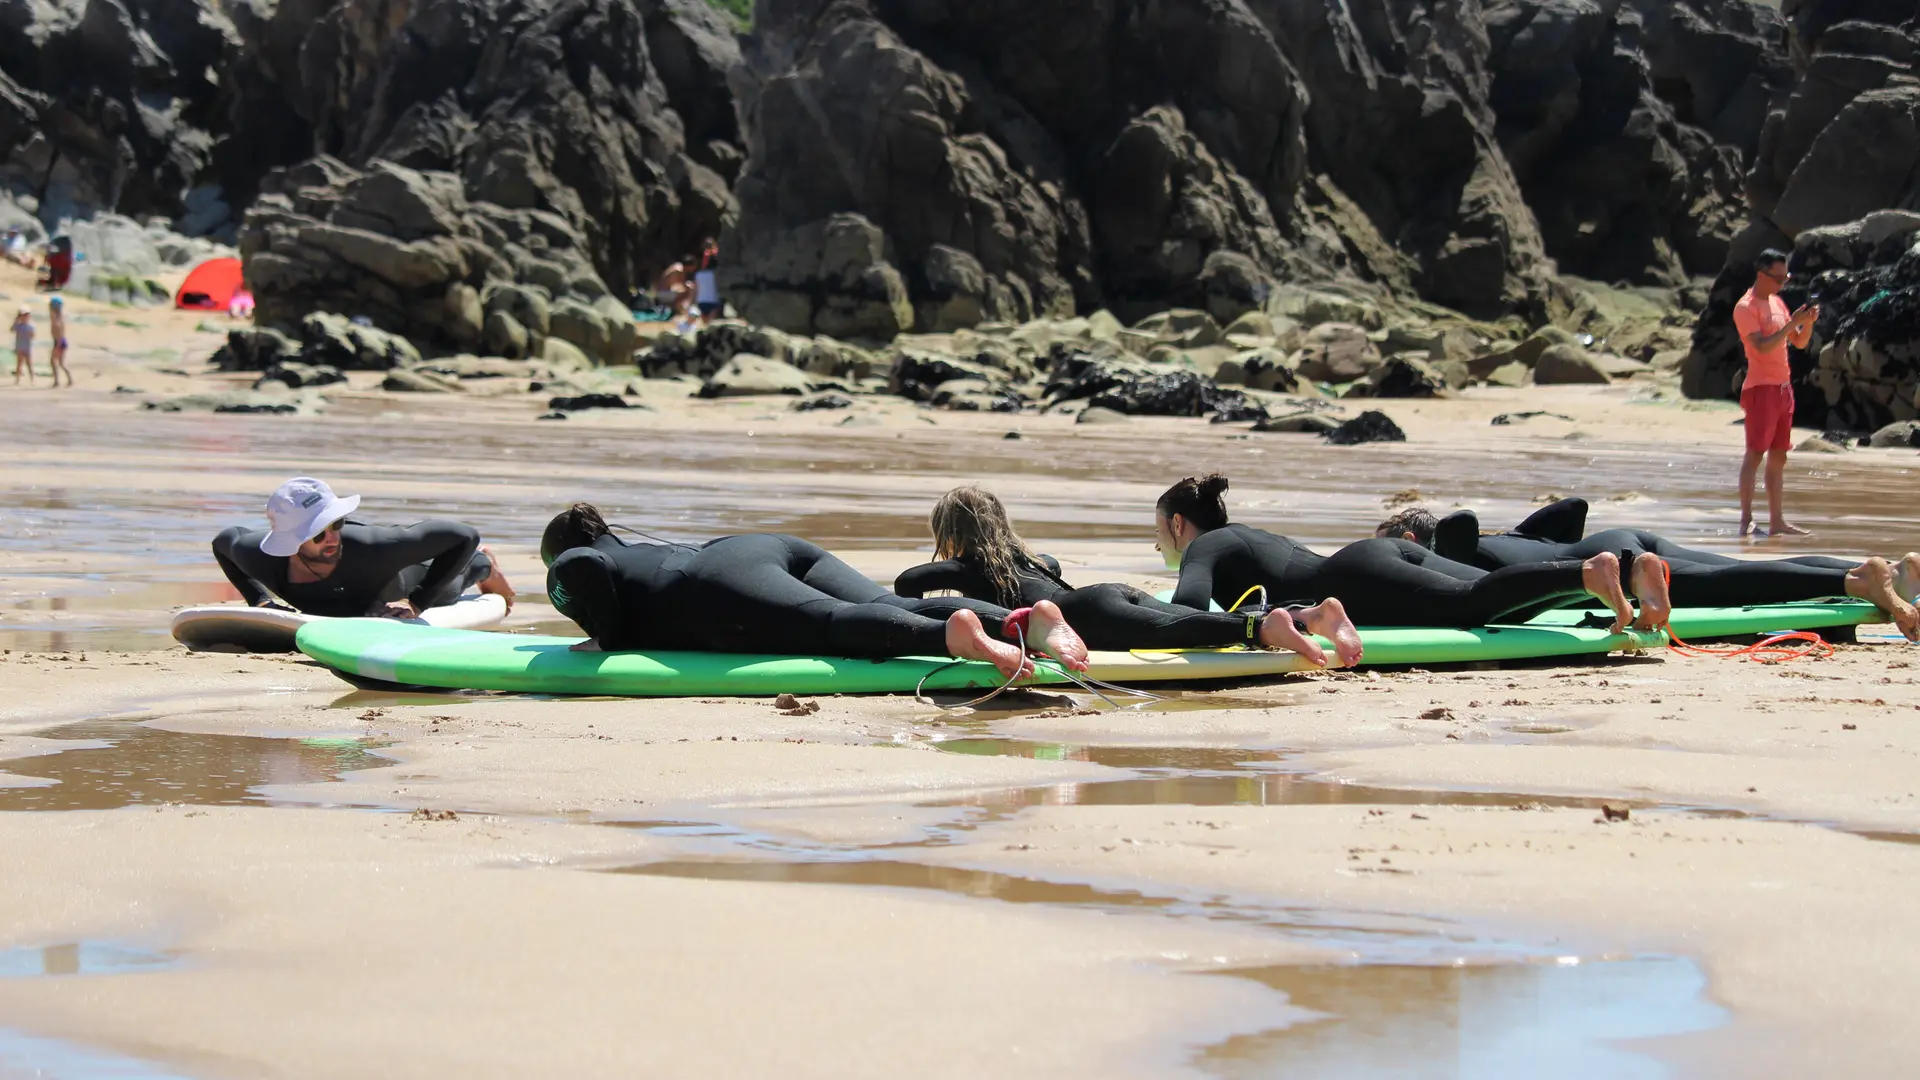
(324, 533)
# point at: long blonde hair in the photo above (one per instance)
(969, 523)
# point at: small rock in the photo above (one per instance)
(1438, 713)
(824, 401)
(1614, 813)
(1816, 444)
(1370, 426)
(588, 401)
(1011, 435)
(1097, 414)
(1505, 419)
(551, 416)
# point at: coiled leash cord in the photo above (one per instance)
(1016, 623)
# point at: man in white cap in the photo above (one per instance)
(314, 559)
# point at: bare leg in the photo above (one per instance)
(1056, 638)
(1777, 524)
(495, 583)
(1650, 587)
(968, 640)
(1749, 471)
(1907, 577)
(1873, 581)
(1601, 576)
(1329, 619)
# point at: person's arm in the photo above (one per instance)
(229, 551)
(584, 586)
(916, 582)
(1799, 338)
(447, 545)
(1457, 537)
(1195, 589)
(1563, 522)
(1800, 323)
(1053, 564)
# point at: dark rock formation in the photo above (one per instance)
(1099, 378)
(1832, 174)
(1369, 426)
(108, 105)
(532, 143)
(933, 164)
(1629, 125)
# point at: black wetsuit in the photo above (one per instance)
(431, 564)
(1106, 616)
(758, 593)
(1700, 578)
(1380, 582)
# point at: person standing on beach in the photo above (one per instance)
(57, 329)
(23, 345)
(706, 284)
(1766, 329)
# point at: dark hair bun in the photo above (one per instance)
(1213, 486)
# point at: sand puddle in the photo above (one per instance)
(23, 1055)
(1420, 997)
(119, 763)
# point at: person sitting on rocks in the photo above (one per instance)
(673, 289)
(312, 558)
(1700, 578)
(769, 593)
(1382, 581)
(982, 557)
(15, 248)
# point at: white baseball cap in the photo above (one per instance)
(299, 510)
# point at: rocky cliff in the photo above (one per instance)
(891, 165)
(927, 163)
(1834, 165)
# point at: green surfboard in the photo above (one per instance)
(382, 650)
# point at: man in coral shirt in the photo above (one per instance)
(1766, 329)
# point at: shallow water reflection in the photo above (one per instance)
(119, 763)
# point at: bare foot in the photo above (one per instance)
(496, 582)
(1058, 640)
(968, 640)
(1277, 631)
(1873, 581)
(1601, 576)
(1329, 619)
(1782, 528)
(1906, 579)
(1746, 526)
(1650, 588)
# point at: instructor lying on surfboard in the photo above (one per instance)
(1383, 582)
(312, 557)
(769, 593)
(983, 558)
(1700, 578)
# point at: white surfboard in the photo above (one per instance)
(239, 628)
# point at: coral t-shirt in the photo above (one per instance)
(1753, 315)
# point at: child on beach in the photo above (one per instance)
(57, 329)
(23, 345)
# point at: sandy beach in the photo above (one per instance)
(241, 866)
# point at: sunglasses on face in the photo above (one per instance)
(330, 530)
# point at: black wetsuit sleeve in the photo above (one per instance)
(1563, 522)
(1197, 565)
(230, 548)
(447, 545)
(950, 575)
(1457, 537)
(584, 585)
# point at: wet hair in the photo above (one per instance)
(1769, 259)
(970, 523)
(577, 526)
(1200, 500)
(1417, 520)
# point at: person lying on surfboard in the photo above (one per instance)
(770, 593)
(313, 558)
(1383, 582)
(1699, 578)
(981, 556)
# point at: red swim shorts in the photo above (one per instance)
(1769, 417)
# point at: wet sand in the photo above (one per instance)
(338, 882)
